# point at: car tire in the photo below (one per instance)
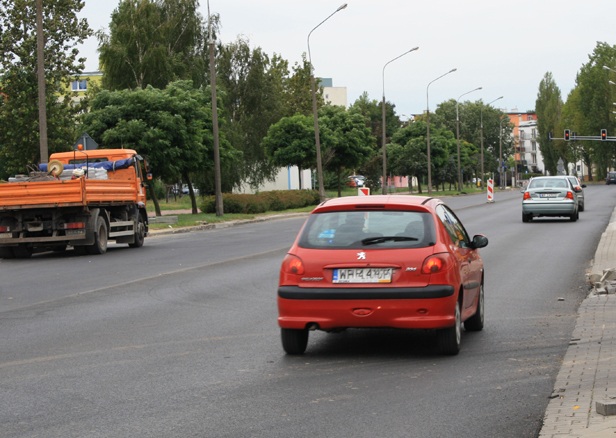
(581, 207)
(22, 251)
(527, 217)
(574, 217)
(449, 338)
(100, 238)
(6, 252)
(475, 322)
(139, 234)
(294, 341)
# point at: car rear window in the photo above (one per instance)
(354, 230)
(538, 183)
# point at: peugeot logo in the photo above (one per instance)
(361, 256)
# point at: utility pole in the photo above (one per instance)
(40, 65)
(217, 178)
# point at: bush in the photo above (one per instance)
(275, 200)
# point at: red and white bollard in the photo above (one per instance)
(490, 190)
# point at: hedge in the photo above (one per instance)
(275, 200)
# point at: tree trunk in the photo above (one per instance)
(154, 200)
(418, 184)
(300, 177)
(339, 182)
(191, 192)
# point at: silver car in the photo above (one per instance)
(550, 196)
(575, 182)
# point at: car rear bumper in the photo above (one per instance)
(554, 208)
(431, 307)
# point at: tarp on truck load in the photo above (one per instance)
(109, 166)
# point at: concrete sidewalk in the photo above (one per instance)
(586, 382)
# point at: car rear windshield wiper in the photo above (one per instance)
(373, 240)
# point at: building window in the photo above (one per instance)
(534, 133)
(81, 85)
(529, 117)
(533, 145)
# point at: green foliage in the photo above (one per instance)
(291, 142)
(346, 140)
(276, 200)
(548, 106)
(19, 116)
(372, 110)
(153, 42)
(172, 127)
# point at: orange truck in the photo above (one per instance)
(64, 204)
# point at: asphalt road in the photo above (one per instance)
(179, 339)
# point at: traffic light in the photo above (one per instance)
(567, 133)
(604, 134)
(549, 136)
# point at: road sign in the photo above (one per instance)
(363, 191)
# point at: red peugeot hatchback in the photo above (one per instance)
(382, 261)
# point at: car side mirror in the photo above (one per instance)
(480, 241)
(583, 186)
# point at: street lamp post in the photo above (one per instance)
(428, 131)
(315, 113)
(217, 177)
(384, 134)
(482, 185)
(458, 135)
(500, 153)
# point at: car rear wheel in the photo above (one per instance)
(582, 207)
(294, 341)
(450, 337)
(100, 238)
(574, 217)
(527, 217)
(475, 322)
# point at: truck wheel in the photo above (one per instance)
(22, 251)
(6, 252)
(100, 238)
(139, 234)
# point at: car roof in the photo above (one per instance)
(376, 201)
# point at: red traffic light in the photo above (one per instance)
(567, 133)
(604, 134)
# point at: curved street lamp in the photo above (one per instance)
(458, 135)
(315, 113)
(384, 152)
(482, 185)
(428, 130)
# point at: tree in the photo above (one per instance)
(290, 142)
(346, 140)
(596, 95)
(153, 42)
(19, 127)
(372, 110)
(548, 106)
(298, 92)
(252, 102)
(174, 132)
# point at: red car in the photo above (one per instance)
(382, 261)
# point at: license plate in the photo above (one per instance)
(6, 235)
(548, 195)
(362, 275)
(70, 232)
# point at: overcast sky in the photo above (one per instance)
(505, 48)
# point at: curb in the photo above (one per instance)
(228, 224)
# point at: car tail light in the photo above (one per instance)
(4, 229)
(75, 225)
(435, 263)
(526, 196)
(569, 195)
(293, 265)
